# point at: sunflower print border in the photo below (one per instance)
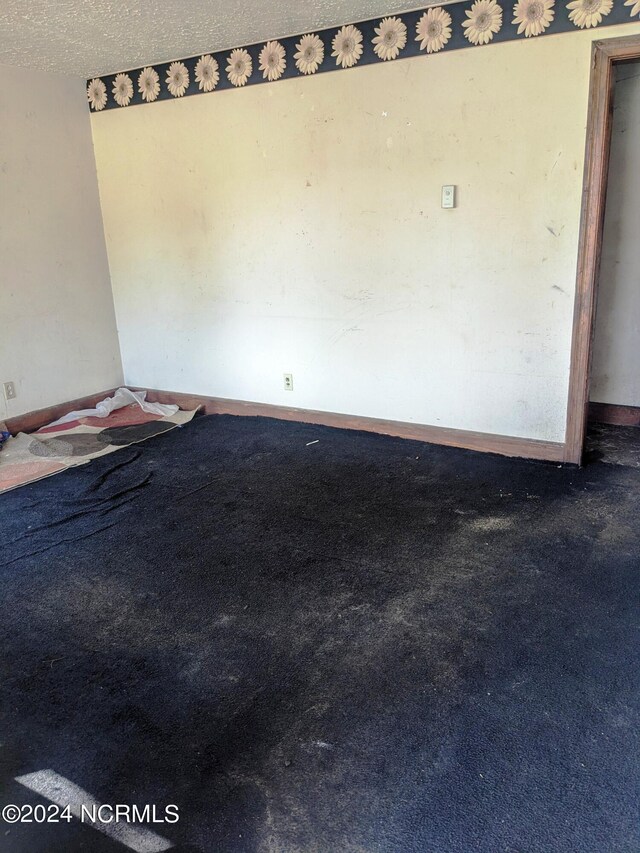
(469, 24)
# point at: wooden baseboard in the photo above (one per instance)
(484, 442)
(504, 445)
(607, 413)
(32, 421)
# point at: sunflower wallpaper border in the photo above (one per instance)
(424, 32)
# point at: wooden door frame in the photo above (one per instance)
(604, 55)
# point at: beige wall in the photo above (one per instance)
(296, 227)
(58, 338)
(616, 353)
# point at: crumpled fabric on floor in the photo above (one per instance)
(69, 443)
(122, 397)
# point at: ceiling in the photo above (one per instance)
(95, 37)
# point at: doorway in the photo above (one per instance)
(614, 391)
(608, 57)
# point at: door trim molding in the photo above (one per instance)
(596, 170)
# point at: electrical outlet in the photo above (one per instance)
(9, 391)
(288, 381)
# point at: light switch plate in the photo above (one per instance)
(448, 196)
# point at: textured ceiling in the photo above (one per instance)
(95, 37)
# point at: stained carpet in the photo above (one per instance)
(362, 644)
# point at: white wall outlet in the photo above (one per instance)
(448, 196)
(9, 391)
(288, 381)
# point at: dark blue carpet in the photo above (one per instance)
(365, 644)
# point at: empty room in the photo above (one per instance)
(319, 426)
